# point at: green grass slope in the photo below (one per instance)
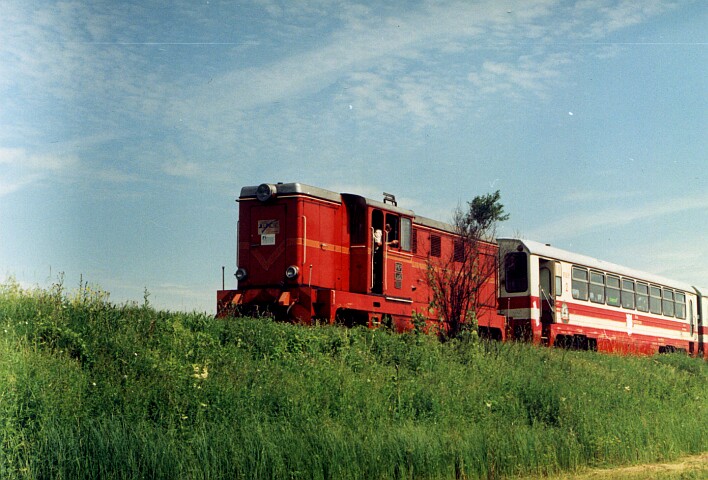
(89, 389)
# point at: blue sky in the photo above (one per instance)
(128, 128)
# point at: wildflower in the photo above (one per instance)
(200, 373)
(626, 388)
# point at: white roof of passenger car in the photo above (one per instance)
(553, 253)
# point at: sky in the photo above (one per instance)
(127, 129)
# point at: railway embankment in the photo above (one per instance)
(90, 389)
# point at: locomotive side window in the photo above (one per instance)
(516, 272)
(680, 302)
(357, 221)
(377, 259)
(458, 251)
(627, 293)
(597, 287)
(406, 234)
(393, 233)
(668, 303)
(613, 291)
(580, 283)
(642, 297)
(655, 300)
(435, 247)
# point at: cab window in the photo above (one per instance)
(516, 272)
(406, 234)
(392, 228)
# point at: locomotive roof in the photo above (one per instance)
(309, 190)
(547, 251)
(293, 189)
(427, 222)
(304, 189)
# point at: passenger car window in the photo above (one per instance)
(597, 287)
(627, 293)
(580, 283)
(655, 300)
(667, 303)
(642, 297)
(613, 291)
(680, 305)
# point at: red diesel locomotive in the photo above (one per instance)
(308, 254)
(305, 254)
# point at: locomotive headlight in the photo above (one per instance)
(266, 191)
(241, 274)
(291, 272)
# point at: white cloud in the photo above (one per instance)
(365, 49)
(387, 61)
(532, 74)
(624, 14)
(21, 159)
(20, 169)
(182, 168)
(12, 185)
(580, 223)
(87, 70)
(595, 196)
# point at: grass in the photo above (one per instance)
(686, 468)
(89, 389)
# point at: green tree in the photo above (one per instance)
(458, 280)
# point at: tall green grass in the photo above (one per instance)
(89, 389)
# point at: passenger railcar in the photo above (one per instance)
(551, 296)
(306, 254)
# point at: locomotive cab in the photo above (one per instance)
(380, 246)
